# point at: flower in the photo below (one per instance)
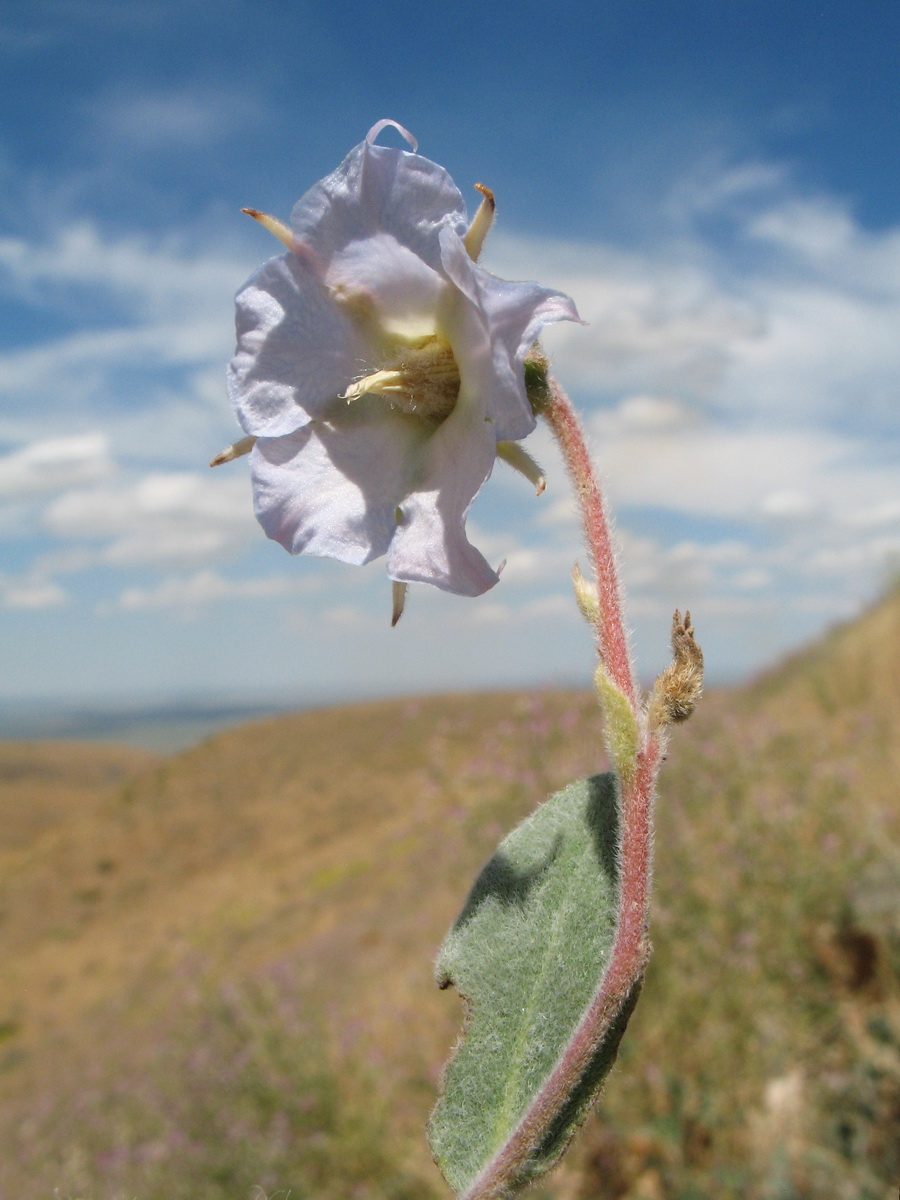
(378, 366)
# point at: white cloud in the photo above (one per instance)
(47, 466)
(165, 516)
(795, 322)
(854, 557)
(202, 589)
(555, 605)
(347, 616)
(748, 472)
(650, 414)
(164, 120)
(684, 569)
(825, 355)
(822, 235)
(715, 190)
(651, 320)
(788, 505)
(753, 579)
(153, 330)
(881, 514)
(37, 594)
(161, 279)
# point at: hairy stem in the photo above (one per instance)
(629, 952)
(612, 640)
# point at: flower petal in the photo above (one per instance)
(514, 314)
(295, 351)
(385, 284)
(372, 135)
(430, 545)
(333, 487)
(379, 189)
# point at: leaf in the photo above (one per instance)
(527, 953)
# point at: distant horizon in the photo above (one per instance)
(176, 721)
(209, 700)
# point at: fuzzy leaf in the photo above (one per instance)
(527, 953)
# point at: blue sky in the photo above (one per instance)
(714, 182)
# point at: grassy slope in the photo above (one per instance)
(41, 783)
(326, 852)
(218, 974)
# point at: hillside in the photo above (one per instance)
(216, 973)
(42, 783)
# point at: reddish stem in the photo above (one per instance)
(628, 955)
(612, 640)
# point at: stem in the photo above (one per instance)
(630, 950)
(612, 640)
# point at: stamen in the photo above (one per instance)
(273, 225)
(398, 591)
(379, 381)
(423, 380)
(521, 461)
(236, 450)
(481, 223)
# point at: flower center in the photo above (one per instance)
(420, 378)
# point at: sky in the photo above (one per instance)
(715, 182)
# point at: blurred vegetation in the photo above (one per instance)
(215, 973)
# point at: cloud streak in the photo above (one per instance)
(161, 517)
(172, 119)
(45, 467)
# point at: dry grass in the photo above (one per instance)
(216, 975)
(43, 783)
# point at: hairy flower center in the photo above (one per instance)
(420, 378)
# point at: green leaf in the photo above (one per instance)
(527, 953)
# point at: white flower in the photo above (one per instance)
(378, 367)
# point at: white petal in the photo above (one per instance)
(430, 545)
(372, 135)
(513, 316)
(378, 189)
(379, 276)
(333, 488)
(295, 352)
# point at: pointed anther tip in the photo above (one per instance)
(520, 460)
(487, 193)
(275, 227)
(239, 448)
(398, 596)
(481, 222)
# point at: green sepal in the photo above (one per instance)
(528, 953)
(537, 383)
